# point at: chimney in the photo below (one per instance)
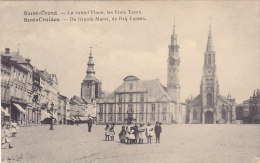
(7, 50)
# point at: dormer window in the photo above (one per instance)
(131, 85)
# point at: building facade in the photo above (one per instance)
(209, 106)
(249, 111)
(136, 100)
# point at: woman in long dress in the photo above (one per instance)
(149, 133)
(131, 134)
(122, 135)
(112, 132)
(141, 133)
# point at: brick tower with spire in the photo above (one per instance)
(91, 87)
(173, 63)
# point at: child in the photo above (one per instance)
(112, 132)
(141, 133)
(107, 132)
(149, 133)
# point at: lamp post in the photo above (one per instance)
(52, 112)
(78, 118)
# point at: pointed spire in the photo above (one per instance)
(174, 37)
(91, 64)
(210, 46)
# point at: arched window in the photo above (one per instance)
(209, 59)
(223, 114)
(195, 114)
(209, 99)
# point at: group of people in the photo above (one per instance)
(134, 133)
(7, 133)
(109, 132)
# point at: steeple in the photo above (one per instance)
(174, 37)
(173, 85)
(210, 46)
(90, 70)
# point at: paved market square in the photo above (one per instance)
(179, 143)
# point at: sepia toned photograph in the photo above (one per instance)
(130, 81)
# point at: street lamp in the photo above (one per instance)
(52, 113)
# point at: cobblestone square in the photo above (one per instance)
(179, 143)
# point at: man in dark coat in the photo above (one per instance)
(157, 130)
(89, 125)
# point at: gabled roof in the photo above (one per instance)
(78, 100)
(196, 100)
(224, 100)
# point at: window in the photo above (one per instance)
(164, 112)
(131, 85)
(195, 114)
(153, 113)
(100, 112)
(120, 98)
(130, 98)
(110, 115)
(141, 108)
(142, 97)
(209, 59)
(119, 112)
(223, 114)
(153, 107)
(141, 117)
(209, 99)
(164, 116)
(100, 108)
(130, 108)
(152, 117)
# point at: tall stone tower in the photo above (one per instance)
(91, 87)
(173, 86)
(209, 88)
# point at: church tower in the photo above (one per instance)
(209, 88)
(173, 86)
(91, 87)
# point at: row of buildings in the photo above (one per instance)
(249, 111)
(27, 94)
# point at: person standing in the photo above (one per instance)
(141, 132)
(157, 130)
(149, 133)
(136, 133)
(122, 134)
(112, 132)
(89, 125)
(107, 132)
(6, 137)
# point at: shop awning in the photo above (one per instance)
(20, 108)
(3, 110)
(55, 116)
(45, 115)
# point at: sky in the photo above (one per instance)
(141, 48)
